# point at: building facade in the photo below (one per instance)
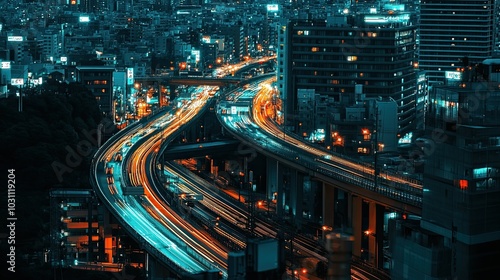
(453, 30)
(459, 227)
(99, 80)
(336, 55)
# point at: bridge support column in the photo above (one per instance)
(172, 89)
(275, 183)
(296, 196)
(271, 178)
(375, 234)
(154, 269)
(355, 220)
(328, 205)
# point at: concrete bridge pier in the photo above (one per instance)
(271, 178)
(275, 184)
(328, 205)
(354, 221)
(172, 89)
(154, 269)
(295, 203)
(375, 234)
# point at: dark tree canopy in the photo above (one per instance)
(31, 142)
(50, 126)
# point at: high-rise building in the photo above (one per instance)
(453, 30)
(459, 233)
(49, 44)
(99, 80)
(334, 56)
(74, 227)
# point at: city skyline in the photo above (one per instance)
(246, 139)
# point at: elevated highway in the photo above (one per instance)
(120, 175)
(200, 149)
(160, 231)
(248, 123)
(253, 129)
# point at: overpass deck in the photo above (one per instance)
(200, 149)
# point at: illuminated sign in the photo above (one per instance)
(17, 82)
(272, 8)
(196, 54)
(5, 64)
(387, 19)
(37, 81)
(394, 7)
(64, 59)
(453, 75)
(15, 38)
(130, 76)
(84, 19)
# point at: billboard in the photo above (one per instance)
(387, 19)
(84, 19)
(5, 64)
(272, 7)
(130, 76)
(453, 75)
(196, 54)
(15, 38)
(16, 82)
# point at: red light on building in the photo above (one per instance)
(463, 184)
(404, 216)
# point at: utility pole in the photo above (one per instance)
(375, 148)
(251, 218)
(20, 98)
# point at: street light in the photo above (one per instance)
(325, 228)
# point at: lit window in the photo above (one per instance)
(352, 58)
(366, 134)
(362, 150)
(314, 49)
(300, 32)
